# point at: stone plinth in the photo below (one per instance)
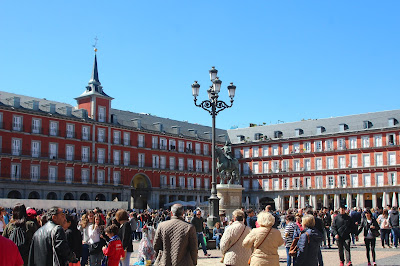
(230, 198)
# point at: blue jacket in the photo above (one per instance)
(309, 247)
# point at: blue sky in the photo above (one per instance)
(290, 60)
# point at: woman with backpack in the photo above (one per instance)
(371, 231)
(383, 221)
(21, 231)
(309, 243)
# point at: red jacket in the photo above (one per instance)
(114, 252)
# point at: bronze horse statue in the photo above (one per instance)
(227, 167)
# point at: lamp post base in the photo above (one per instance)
(214, 211)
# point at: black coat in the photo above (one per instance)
(74, 239)
(365, 226)
(125, 234)
(309, 247)
(343, 226)
(41, 251)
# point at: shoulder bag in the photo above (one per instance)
(249, 261)
(223, 256)
(294, 248)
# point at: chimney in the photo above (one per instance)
(158, 126)
(137, 123)
(176, 130)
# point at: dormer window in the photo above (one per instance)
(258, 136)
(241, 138)
(278, 134)
(392, 122)
(367, 124)
(320, 129)
(102, 114)
(343, 127)
(298, 132)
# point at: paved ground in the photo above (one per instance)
(384, 256)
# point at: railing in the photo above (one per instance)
(70, 134)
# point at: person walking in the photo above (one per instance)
(232, 239)
(394, 224)
(265, 240)
(175, 242)
(49, 237)
(290, 228)
(309, 243)
(371, 231)
(342, 227)
(20, 231)
(198, 223)
(383, 221)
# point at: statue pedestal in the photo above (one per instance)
(230, 198)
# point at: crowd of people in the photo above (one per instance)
(172, 237)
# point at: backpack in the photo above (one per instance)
(294, 248)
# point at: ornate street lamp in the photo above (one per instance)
(213, 106)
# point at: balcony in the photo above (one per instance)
(37, 130)
(54, 132)
(70, 134)
(85, 136)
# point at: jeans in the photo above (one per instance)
(396, 235)
(200, 240)
(125, 261)
(217, 239)
(344, 245)
(288, 257)
(328, 236)
(85, 254)
(385, 236)
(370, 245)
(95, 259)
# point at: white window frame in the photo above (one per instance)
(172, 181)
(296, 147)
(391, 157)
(378, 159)
(53, 154)
(317, 145)
(53, 128)
(69, 175)
(255, 185)
(35, 148)
(85, 154)
(307, 147)
(353, 161)
(342, 162)
(365, 141)
(318, 182)
(181, 164)
(52, 174)
(116, 178)
(353, 142)
(205, 149)
(17, 123)
(256, 169)
(101, 116)
(393, 135)
(296, 165)
(101, 134)
(255, 151)
(70, 130)
(330, 181)
(206, 167)
(35, 172)
(163, 143)
(197, 148)
(117, 137)
(307, 164)
(265, 184)
(379, 179)
(101, 155)
(318, 163)
(85, 176)
(15, 171)
(181, 146)
(69, 152)
(127, 137)
(329, 145)
(265, 150)
(163, 161)
(392, 178)
(246, 152)
(366, 163)
(101, 177)
(85, 132)
(141, 141)
(36, 125)
(190, 166)
(155, 161)
(367, 180)
(354, 180)
(378, 140)
(171, 163)
(127, 158)
(275, 150)
(265, 167)
(172, 145)
(117, 157)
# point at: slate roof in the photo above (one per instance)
(354, 123)
(124, 118)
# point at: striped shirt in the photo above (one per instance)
(289, 232)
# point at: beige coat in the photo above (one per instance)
(267, 251)
(175, 243)
(236, 255)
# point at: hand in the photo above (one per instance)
(104, 248)
(372, 227)
(336, 236)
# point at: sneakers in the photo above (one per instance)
(394, 247)
(369, 263)
(341, 263)
(374, 263)
(207, 255)
(349, 264)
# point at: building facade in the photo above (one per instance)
(350, 160)
(52, 150)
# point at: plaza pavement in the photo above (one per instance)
(384, 256)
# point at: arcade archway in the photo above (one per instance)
(267, 201)
(140, 191)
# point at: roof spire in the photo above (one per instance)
(95, 74)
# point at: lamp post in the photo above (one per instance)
(213, 106)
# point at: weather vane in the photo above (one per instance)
(95, 44)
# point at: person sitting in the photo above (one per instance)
(217, 234)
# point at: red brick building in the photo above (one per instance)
(52, 150)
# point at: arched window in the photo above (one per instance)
(34, 195)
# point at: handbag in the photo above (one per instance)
(294, 248)
(249, 261)
(96, 248)
(223, 256)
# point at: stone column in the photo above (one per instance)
(348, 201)
(302, 201)
(336, 201)
(291, 202)
(374, 202)
(166, 199)
(326, 201)
(361, 201)
(313, 200)
(278, 203)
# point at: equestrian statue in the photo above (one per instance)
(227, 165)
